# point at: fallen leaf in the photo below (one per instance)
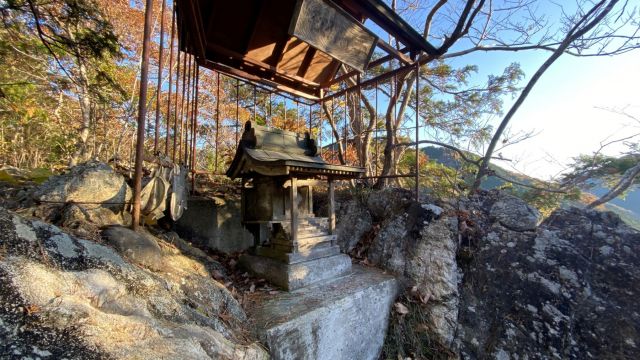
(217, 275)
(401, 309)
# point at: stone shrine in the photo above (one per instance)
(279, 169)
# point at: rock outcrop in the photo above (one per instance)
(66, 297)
(88, 196)
(567, 289)
(486, 279)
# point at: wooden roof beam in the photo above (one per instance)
(392, 51)
(372, 65)
(234, 55)
(255, 80)
(197, 28)
(306, 62)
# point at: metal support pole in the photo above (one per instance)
(237, 108)
(186, 114)
(142, 112)
(417, 135)
(310, 135)
(159, 90)
(194, 164)
(168, 117)
(345, 130)
(193, 112)
(217, 123)
(178, 134)
(270, 113)
(177, 109)
(375, 134)
(254, 103)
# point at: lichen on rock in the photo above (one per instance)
(67, 297)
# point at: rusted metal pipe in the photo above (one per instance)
(168, 117)
(187, 113)
(194, 134)
(218, 122)
(159, 90)
(177, 109)
(237, 109)
(142, 112)
(417, 134)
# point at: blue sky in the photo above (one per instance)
(563, 108)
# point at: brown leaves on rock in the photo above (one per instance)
(400, 308)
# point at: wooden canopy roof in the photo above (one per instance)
(273, 152)
(295, 46)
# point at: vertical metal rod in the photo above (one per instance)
(178, 134)
(254, 103)
(159, 90)
(194, 138)
(142, 112)
(185, 114)
(217, 122)
(189, 139)
(310, 135)
(333, 142)
(177, 109)
(270, 113)
(237, 108)
(346, 110)
(375, 136)
(297, 122)
(320, 115)
(417, 129)
(168, 116)
(285, 112)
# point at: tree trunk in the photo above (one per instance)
(625, 182)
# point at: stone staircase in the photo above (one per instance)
(313, 233)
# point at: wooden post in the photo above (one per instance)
(310, 201)
(332, 208)
(142, 112)
(293, 191)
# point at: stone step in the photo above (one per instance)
(314, 221)
(342, 318)
(294, 275)
(316, 239)
(311, 233)
(284, 254)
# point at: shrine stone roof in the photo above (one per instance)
(274, 152)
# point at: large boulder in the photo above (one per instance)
(96, 191)
(515, 214)
(353, 221)
(417, 243)
(569, 289)
(138, 247)
(484, 279)
(66, 297)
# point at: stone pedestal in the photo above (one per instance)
(342, 318)
(292, 275)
